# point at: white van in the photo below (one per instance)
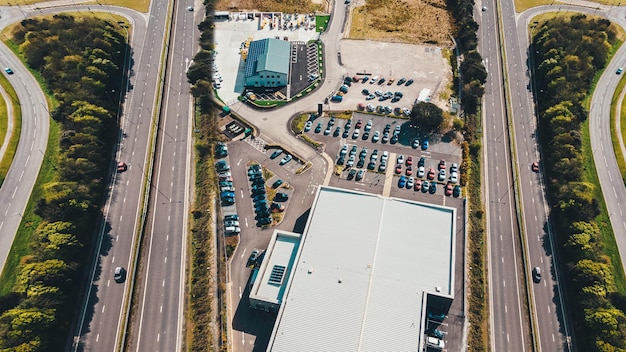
(435, 343)
(232, 230)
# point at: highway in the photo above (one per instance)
(158, 322)
(20, 179)
(508, 320)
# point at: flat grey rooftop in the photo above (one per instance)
(360, 279)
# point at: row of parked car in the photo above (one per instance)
(259, 200)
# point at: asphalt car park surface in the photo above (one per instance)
(424, 64)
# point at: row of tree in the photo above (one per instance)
(569, 53)
(81, 61)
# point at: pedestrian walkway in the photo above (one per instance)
(257, 143)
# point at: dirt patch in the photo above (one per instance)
(409, 21)
(286, 6)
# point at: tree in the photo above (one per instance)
(427, 116)
(576, 201)
(25, 327)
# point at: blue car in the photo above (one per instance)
(425, 144)
(402, 182)
(228, 195)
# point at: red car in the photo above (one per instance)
(418, 185)
(121, 166)
(431, 174)
(442, 164)
(355, 79)
(448, 189)
(535, 167)
(358, 124)
(398, 169)
(409, 171)
(409, 160)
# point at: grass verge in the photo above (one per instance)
(14, 137)
(607, 237)
(201, 305)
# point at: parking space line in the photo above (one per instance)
(389, 174)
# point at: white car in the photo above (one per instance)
(400, 159)
(420, 172)
(442, 175)
(370, 107)
(373, 79)
(307, 126)
(229, 223)
(232, 230)
(376, 137)
(286, 159)
(343, 150)
(454, 177)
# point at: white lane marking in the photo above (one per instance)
(124, 201)
(97, 337)
(21, 175)
(103, 306)
(161, 309)
(163, 284)
(506, 309)
(14, 191)
(549, 309)
(121, 216)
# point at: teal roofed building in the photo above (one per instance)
(267, 64)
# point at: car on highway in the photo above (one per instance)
(402, 182)
(619, 71)
(277, 184)
(119, 274)
(535, 167)
(276, 154)
(8, 70)
(281, 197)
(536, 274)
(121, 166)
(286, 159)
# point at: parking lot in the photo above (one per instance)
(374, 178)
(424, 64)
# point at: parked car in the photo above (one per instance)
(276, 153)
(410, 182)
(425, 144)
(415, 144)
(431, 174)
(433, 188)
(409, 82)
(418, 185)
(359, 175)
(420, 171)
(442, 164)
(231, 217)
(254, 255)
(277, 184)
(318, 128)
(286, 159)
(454, 177)
(448, 189)
(425, 186)
(351, 174)
(281, 197)
(229, 223)
(421, 162)
(442, 175)
(401, 81)
(307, 126)
(402, 182)
(456, 191)
(277, 208)
(337, 132)
(376, 137)
(232, 230)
